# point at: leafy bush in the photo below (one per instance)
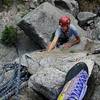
(9, 36)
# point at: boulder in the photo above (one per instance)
(85, 18)
(50, 77)
(39, 24)
(38, 60)
(70, 6)
(93, 31)
(97, 29)
(48, 81)
(35, 3)
(7, 54)
(65, 5)
(49, 69)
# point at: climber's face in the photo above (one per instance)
(65, 28)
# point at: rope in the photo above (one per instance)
(9, 87)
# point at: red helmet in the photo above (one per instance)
(64, 21)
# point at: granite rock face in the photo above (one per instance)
(85, 17)
(49, 69)
(70, 6)
(39, 24)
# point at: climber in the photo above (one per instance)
(66, 35)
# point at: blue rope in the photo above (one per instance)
(9, 87)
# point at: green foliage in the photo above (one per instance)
(21, 1)
(8, 2)
(72, 51)
(9, 36)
